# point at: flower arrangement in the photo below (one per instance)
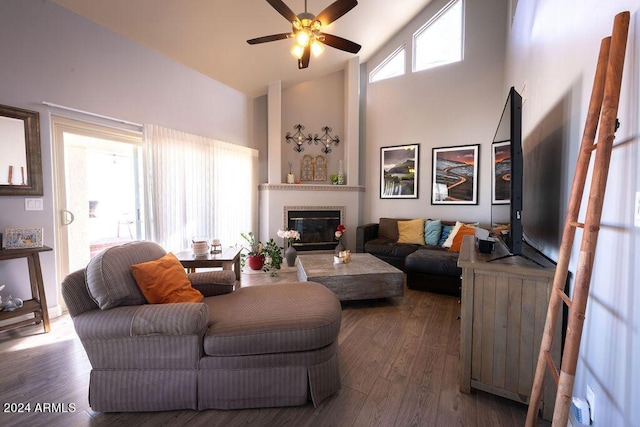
(289, 235)
(340, 232)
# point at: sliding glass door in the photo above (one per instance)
(98, 191)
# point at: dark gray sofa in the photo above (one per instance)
(429, 268)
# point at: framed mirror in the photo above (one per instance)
(20, 154)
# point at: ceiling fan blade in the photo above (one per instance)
(335, 10)
(270, 38)
(340, 43)
(283, 10)
(304, 61)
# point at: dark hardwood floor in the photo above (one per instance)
(398, 362)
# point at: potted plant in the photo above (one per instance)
(273, 257)
(266, 257)
(254, 256)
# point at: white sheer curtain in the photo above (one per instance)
(198, 186)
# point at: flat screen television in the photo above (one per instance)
(506, 203)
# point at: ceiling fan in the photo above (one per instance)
(307, 30)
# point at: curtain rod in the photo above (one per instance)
(75, 110)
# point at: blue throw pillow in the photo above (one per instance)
(432, 230)
(446, 230)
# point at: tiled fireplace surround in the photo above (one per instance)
(276, 199)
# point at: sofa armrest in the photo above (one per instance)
(364, 233)
(143, 320)
(211, 283)
(75, 294)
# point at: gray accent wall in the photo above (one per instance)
(51, 54)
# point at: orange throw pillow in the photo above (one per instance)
(465, 230)
(164, 280)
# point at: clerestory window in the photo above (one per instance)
(391, 67)
(440, 41)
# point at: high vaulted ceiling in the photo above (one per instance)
(210, 36)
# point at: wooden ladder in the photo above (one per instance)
(603, 110)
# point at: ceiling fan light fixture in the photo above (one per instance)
(297, 51)
(307, 30)
(316, 48)
(303, 37)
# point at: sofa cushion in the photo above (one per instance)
(433, 260)
(447, 243)
(389, 248)
(109, 279)
(432, 230)
(276, 318)
(411, 231)
(465, 230)
(164, 281)
(388, 228)
(444, 234)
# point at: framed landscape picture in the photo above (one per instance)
(455, 175)
(501, 173)
(399, 172)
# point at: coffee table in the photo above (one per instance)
(228, 259)
(365, 277)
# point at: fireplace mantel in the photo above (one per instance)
(309, 187)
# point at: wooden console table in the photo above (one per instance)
(38, 302)
(503, 311)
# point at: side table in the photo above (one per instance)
(228, 259)
(38, 302)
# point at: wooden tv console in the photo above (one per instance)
(503, 311)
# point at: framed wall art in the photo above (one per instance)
(455, 175)
(501, 173)
(399, 172)
(21, 238)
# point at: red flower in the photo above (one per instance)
(341, 228)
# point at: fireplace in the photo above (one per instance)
(316, 226)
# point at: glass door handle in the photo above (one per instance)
(67, 217)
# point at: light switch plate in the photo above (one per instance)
(33, 204)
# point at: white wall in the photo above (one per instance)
(455, 104)
(314, 104)
(51, 54)
(553, 48)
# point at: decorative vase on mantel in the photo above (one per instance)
(339, 247)
(290, 255)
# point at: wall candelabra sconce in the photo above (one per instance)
(298, 138)
(326, 139)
